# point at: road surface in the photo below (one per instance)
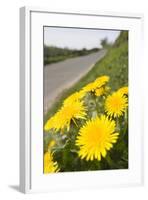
(62, 75)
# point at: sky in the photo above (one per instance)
(75, 38)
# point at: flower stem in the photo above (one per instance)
(117, 124)
(125, 124)
(96, 104)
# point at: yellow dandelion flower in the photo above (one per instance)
(116, 104)
(68, 113)
(96, 137)
(50, 124)
(98, 83)
(74, 97)
(101, 91)
(101, 81)
(49, 165)
(123, 90)
(89, 87)
(51, 144)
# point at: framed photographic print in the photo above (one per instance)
(81, 105)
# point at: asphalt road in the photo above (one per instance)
(61, 75)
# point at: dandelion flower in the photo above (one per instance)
(98, 83)
(96, 137)
(49, 165)
(101, 81)
(101, 91)
(123, 90)
(63, 118)
(51, 144)
(74, 97)
(69, 113)
(50, 124)
(89, 87)
(116, 104)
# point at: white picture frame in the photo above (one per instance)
(32, 178)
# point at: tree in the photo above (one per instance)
(105, 43)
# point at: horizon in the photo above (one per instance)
(77, 38)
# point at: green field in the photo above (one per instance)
(114, 64)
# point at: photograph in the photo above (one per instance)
(85, 99)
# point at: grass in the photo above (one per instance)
(114, 64)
